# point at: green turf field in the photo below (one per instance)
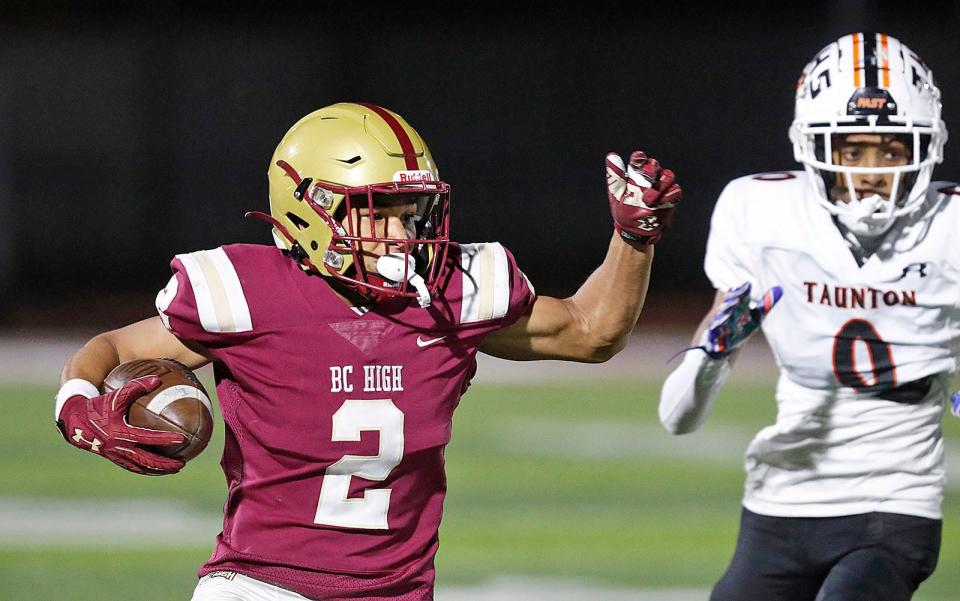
(572, 481)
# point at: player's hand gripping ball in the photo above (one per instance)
(642, 196)
(119, 424)
(177, 402)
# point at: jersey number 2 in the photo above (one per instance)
(370, 510)
(882, 368)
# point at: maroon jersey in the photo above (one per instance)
(336, 417)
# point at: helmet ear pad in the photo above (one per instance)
(819, 150)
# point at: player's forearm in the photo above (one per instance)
(92, 362)
(609, 302)
(146, 339)
(686, 398)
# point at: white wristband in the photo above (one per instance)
(73, 388)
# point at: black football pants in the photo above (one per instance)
(867, 557)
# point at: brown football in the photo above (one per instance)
(179, 405)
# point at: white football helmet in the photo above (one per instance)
(868, 83)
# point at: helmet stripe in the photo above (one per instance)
(856, 60)
(870, 54)
(885, 65)
(409, 155)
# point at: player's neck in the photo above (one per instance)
(345, 293)
(862, 247)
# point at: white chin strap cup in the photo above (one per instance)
(392, 266)
(866, 207)
(870, 216)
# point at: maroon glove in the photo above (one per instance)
(642, 197)
(99, 425)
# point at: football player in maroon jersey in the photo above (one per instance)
(341, 355)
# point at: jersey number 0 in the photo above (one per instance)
(882, 369)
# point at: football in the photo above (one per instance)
(179, 405)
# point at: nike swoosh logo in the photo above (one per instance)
(422, 343)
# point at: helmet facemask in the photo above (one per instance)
(349, 213)
(868, 84)
(415, 263)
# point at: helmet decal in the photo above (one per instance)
(871, 101)
(409, 155)
(419, 175)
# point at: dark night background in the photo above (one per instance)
(129, 134)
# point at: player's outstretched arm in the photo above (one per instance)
(97, 422)
(686, 398)
(594, 323)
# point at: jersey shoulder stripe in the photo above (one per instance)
(165, 298)
(221, 303)
(486, 282)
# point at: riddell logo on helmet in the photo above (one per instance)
(413, 176)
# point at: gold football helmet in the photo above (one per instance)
(351, 155)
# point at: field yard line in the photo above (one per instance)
(141, 523)
(514, 588)
(605, 439)
(44, 522)
(648, 356)
(38, 361)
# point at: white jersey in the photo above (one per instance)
(843, 336)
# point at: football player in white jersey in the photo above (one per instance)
(852, 266)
